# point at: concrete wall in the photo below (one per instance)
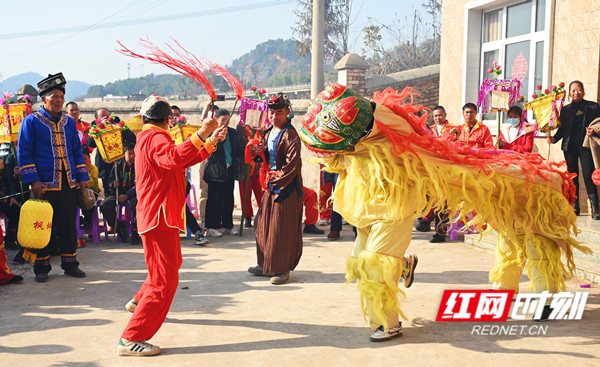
(425, 82)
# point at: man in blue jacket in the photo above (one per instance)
(52, 163)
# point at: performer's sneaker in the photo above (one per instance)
(200, 241)
(410, 264)
(381, 336)
(131, 306)
(280, 278)
(139, 349)
(211, 232)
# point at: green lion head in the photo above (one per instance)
(336, 121)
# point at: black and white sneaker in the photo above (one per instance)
(142, 348)
(381, 336)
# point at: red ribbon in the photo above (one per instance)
(264, 173)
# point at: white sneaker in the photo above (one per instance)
(232, 231)
(131, 306)
(211, 232)
(323, 222)
(380, 336)
(130, 348)
(344, 222)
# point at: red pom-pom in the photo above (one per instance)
(263, 91)
(109, 119)
(122, 123)
(553, 87)
(96, 130)
(101, 125)
(547, 91)
(534, 96)
(561, 84)
(254, 88)
(539, 87)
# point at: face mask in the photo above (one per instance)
(513, 122)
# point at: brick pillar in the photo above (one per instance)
(352, 71)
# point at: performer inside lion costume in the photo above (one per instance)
(391, 169)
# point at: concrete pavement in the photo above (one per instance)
(223, 316)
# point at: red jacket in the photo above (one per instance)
(524, 141)
(160, 179)
(479, 137)
(445, 133)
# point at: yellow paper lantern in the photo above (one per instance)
(35, 224)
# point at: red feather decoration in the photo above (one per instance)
(233, 81)
(185, 63)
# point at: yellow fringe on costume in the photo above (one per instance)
(383, 292)
(377, 183)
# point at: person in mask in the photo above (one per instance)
(516, 134)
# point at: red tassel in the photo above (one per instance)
(187, 64)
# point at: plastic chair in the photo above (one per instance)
(97, 228)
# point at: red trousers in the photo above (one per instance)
(162, 249)
(5, 273)
(325, 190)
(253, 187)
(311, 211)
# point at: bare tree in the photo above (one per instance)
(337, 28)
(408, 51)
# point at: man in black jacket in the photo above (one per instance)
(219, 174)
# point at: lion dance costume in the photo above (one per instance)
(389, 163)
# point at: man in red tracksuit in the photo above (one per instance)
(159, 166)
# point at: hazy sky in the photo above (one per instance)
(79, 37)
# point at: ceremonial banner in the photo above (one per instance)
(254, 114)
(110, 144)
(180, 133)
(11, 117)
(546, 110)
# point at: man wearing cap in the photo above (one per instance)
(52, 163)
(160, 181)
(278, 224)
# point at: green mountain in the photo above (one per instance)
(271, 64)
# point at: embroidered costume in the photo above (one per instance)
(50, 151)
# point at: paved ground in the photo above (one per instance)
(223, 316)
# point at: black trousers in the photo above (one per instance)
(219, 205)
(108, 207)
(572, 157)
(64, 230)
